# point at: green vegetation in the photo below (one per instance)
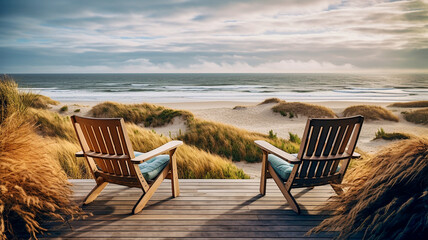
(418, 116)
(381, 134)
(239, 108)
(41, 102)
(77, 110)
(229, 141)
(64, 108)
(147, 114)
(415, 104)
(271, 100)
(293, 109)
(272, 135)
(294, 138)
(386, 196)
(370, 112)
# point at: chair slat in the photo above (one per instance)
(108, 139)
(313, 141)
(131, 168)
(116, 167)
(331, 138)
(124, 168)
(338, 140)
(320, 169)
(93, 139)
(303, 171)
(327, 168)
(345, 141)
(334, 167)
(86, 134)
(100, 139)
(116, 140)
(322, 140)
(109, 166)
(312, 168)
(101, 164)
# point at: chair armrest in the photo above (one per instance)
(276, 151)
(155, 152)
(79, 154)
(355, 155)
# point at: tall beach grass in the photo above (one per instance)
(294, 109)
(387, 197)
(370, 112)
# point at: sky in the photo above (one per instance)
(210, 36)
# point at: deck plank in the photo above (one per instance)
(214, 209)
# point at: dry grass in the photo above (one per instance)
(147, 114)
(271, 100)
(294, 109)
(418, 116)
(191, 161)
(53, 124)
(41, 102)
(415, 104)
(387, 197)
(229, 141)
(33, 187)
(370, 112)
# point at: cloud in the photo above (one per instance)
(220, 35)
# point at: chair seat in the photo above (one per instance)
(152, 167)
(282, 167)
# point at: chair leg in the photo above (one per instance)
(263, 176)
(290, 199)
(175, 187)
(95, 192)
(141, 203)
(337, 189)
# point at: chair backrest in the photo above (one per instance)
(106, 145)
(325, 143)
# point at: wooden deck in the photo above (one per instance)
(221, 209)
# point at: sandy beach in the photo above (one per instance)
(260, 118)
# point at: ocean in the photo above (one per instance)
(158, 88)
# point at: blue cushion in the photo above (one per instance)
(152, 167)
(282, 167)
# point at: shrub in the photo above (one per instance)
(147, 114)
(294, 109)
(77, 110)
(370, 112)
(11, 101)
(272, 135)
(64, 108)
(239, 108)
(53, 124)
(387, 196)
(415, 104)
(419, 116)
(381, 134)
(294, 138)
(32, 185)
(271, 100)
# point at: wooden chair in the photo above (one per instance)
(111, 159)
(325, 144)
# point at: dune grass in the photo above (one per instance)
(414, 104)
(387, 197)
(370, 112)
(147, 114)
(191, 161)
(220, 139)
(32, 185)
(53, 124)
(229, 141)
(381, 134)
(294, 109)
(418, 116)
(271, 100)
(40, 101)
